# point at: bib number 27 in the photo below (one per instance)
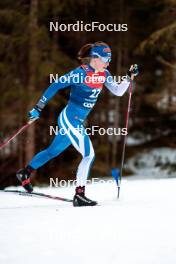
(95, 93)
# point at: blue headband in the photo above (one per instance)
(100, 51)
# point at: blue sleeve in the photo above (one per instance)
(75, 76)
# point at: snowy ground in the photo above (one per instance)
(140, 228)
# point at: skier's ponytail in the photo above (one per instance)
(84, 52)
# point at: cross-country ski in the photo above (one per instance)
(37, 194)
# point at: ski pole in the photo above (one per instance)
(16, 133)
(125, 138)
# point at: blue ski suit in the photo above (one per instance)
(86, 85)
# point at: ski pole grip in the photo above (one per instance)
(31, 121)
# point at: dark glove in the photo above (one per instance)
(134, 70)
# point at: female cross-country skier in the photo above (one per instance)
(86, 83)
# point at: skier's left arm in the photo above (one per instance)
(120, 89)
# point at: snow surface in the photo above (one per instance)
(140, 228)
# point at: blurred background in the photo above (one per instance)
(29, 53)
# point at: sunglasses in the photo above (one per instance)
(105, 59)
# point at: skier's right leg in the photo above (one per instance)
(58, 145)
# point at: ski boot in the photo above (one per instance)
(80, 199)
(23, 175)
